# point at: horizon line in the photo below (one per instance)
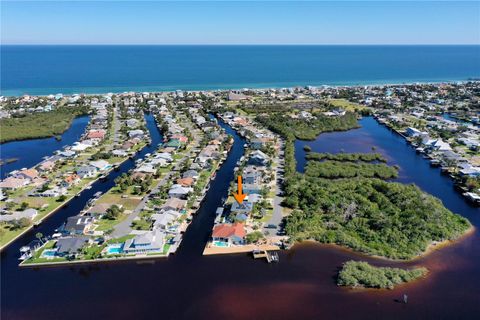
(239, 44)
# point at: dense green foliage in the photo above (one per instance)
(307, 130)
(362, 274)
(254, 237)
(362, 212)
(38, 125)
(366, 157)
(337, 169)
(369, 215)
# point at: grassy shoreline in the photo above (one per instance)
(360, 274)
(37, 126)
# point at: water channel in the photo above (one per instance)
(302, 286)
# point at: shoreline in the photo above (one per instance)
(432, 247)
(92, 261)
(42, 137)
(159, 89)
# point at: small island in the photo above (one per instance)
(359, 274)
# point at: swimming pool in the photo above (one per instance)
(220, 244)
(49, 253)
(115, 248)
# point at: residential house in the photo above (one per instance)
(190, 174)
(136, 133)
(258, 158)
(46, 166)
(70, 245)
(244, 207)
(132, 123)
(179, 192)
(29, 214)
(101, 165)
(87, 171)
(152, 241)
(78, 225)
(70, 180)
(12, 183)
(30, 174)
(99, 209)
(185, 182)
(96, 134)
(54, 192)
(174, 204)
(229, 233)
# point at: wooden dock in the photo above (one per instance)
(271, 256)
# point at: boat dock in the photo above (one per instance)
(271, 256)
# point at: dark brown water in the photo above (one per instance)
(301, 286)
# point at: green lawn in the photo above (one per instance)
(107, 224)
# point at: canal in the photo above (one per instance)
(302, 286)
(28, 153)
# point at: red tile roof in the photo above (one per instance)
(228, 230)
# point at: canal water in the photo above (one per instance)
(30, 152)
(302, 286)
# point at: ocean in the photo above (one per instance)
(40, 70)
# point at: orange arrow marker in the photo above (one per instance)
(239, 196)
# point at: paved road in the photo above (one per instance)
(277, 215)
(116, 128)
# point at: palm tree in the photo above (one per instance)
(39, 236)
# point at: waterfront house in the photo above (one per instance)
(164, 155)
(146, 168)
(101, 165)
(119, 153)
(149, 242)
(30, 174)
(70, 245)
(78, 225)
(258, 158)
(99, 209)
(12, 183)
(96, 134)
(440, 145)
(29, 214)
(127, 145)
(413, 132)
(46, 166)
(67, 154)
(159, 162)
(165, 218)
(86, 171)
(54, 192)
(229, 233)
(244, 207)
(173, 143)
(174, 204)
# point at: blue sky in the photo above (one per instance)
(244, 22)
